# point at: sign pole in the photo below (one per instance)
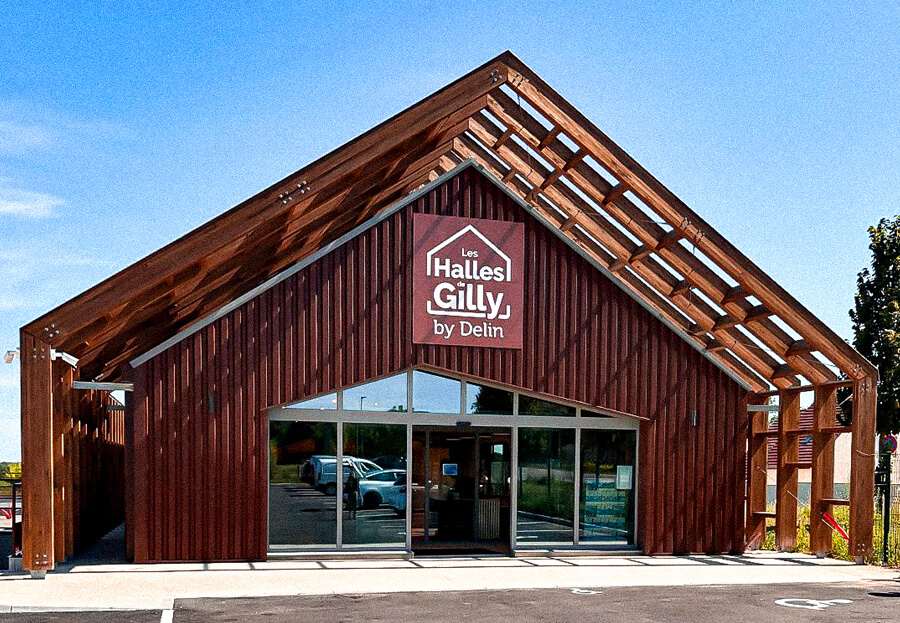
(886, 507)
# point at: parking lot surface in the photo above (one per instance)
(772, 603)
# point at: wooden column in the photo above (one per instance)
(37, 454)
(862, 469)
(756, 474)
(822, 485)
(140, 506)
(786, 483)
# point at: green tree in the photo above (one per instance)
(876, 318)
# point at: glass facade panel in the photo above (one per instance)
(388, 394)
(586, 413)
(482, 400)
(546, 502)
(435, 394)
(536, 406)
(319, 403)
(607, 486)
(373, 512)
(302, 493)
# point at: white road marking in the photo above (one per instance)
(811, 604)
(166, 616)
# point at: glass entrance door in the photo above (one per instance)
(460, 489)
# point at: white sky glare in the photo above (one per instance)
(124, 126)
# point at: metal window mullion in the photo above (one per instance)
(576, 524)
(514, 486)
(339, 482)
(409, 496)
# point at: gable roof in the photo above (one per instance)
(537, 145)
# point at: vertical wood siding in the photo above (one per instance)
(200, 425)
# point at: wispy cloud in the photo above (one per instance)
(18, 138)
(27, 203)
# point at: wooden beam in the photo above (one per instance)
(470, 148)
(617, 191)
(783, 371)
(756, 474)
(681, 288)
(756, 314)
(556, 109)
(862, 468)
(734, 294)
(640, 253)
(545, 142)
(799, 347)
(550, 179)
(668, 239)
(725, 322)
(421, 121)
(713, 345)
(38, 547)
(503, 138)
(649, 232)
(822, 479)
(787, 477)
(571, 162)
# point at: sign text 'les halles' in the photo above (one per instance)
(467, 281)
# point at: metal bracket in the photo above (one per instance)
(69, 359)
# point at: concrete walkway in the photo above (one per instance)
(126, 586)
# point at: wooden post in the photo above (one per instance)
(756, 474)
(37, 454)
(862, 469)
(788, 473)
(822, 485)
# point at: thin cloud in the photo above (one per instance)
(28, 204)
(19, 138)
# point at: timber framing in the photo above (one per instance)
(540, 149)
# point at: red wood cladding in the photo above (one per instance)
(200, 425)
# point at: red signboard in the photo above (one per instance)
(468, 277)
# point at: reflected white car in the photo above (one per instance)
(373, 485)
(395, 495)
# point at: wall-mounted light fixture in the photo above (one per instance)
(10, 355)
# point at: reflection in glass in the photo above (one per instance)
(586, 413)
(607, 486)
(546, 486)
(302, 496)
(319, 403)
(488, 400)
(435, 394)
(374, 459)
(536, 406)
(388, 394)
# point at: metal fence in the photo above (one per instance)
(887, 511)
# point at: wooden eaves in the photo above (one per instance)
(503, 116)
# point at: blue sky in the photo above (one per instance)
(124, 126)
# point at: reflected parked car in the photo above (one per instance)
(395, 495)
(325, 476)
(373, 485)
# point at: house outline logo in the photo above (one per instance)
(461, 233)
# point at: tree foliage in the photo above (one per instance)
(876, 318)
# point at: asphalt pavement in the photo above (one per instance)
(772, 603)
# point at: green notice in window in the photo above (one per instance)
(623, 476)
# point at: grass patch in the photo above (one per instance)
(840, 549)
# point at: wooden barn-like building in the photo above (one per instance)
(509, 336)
